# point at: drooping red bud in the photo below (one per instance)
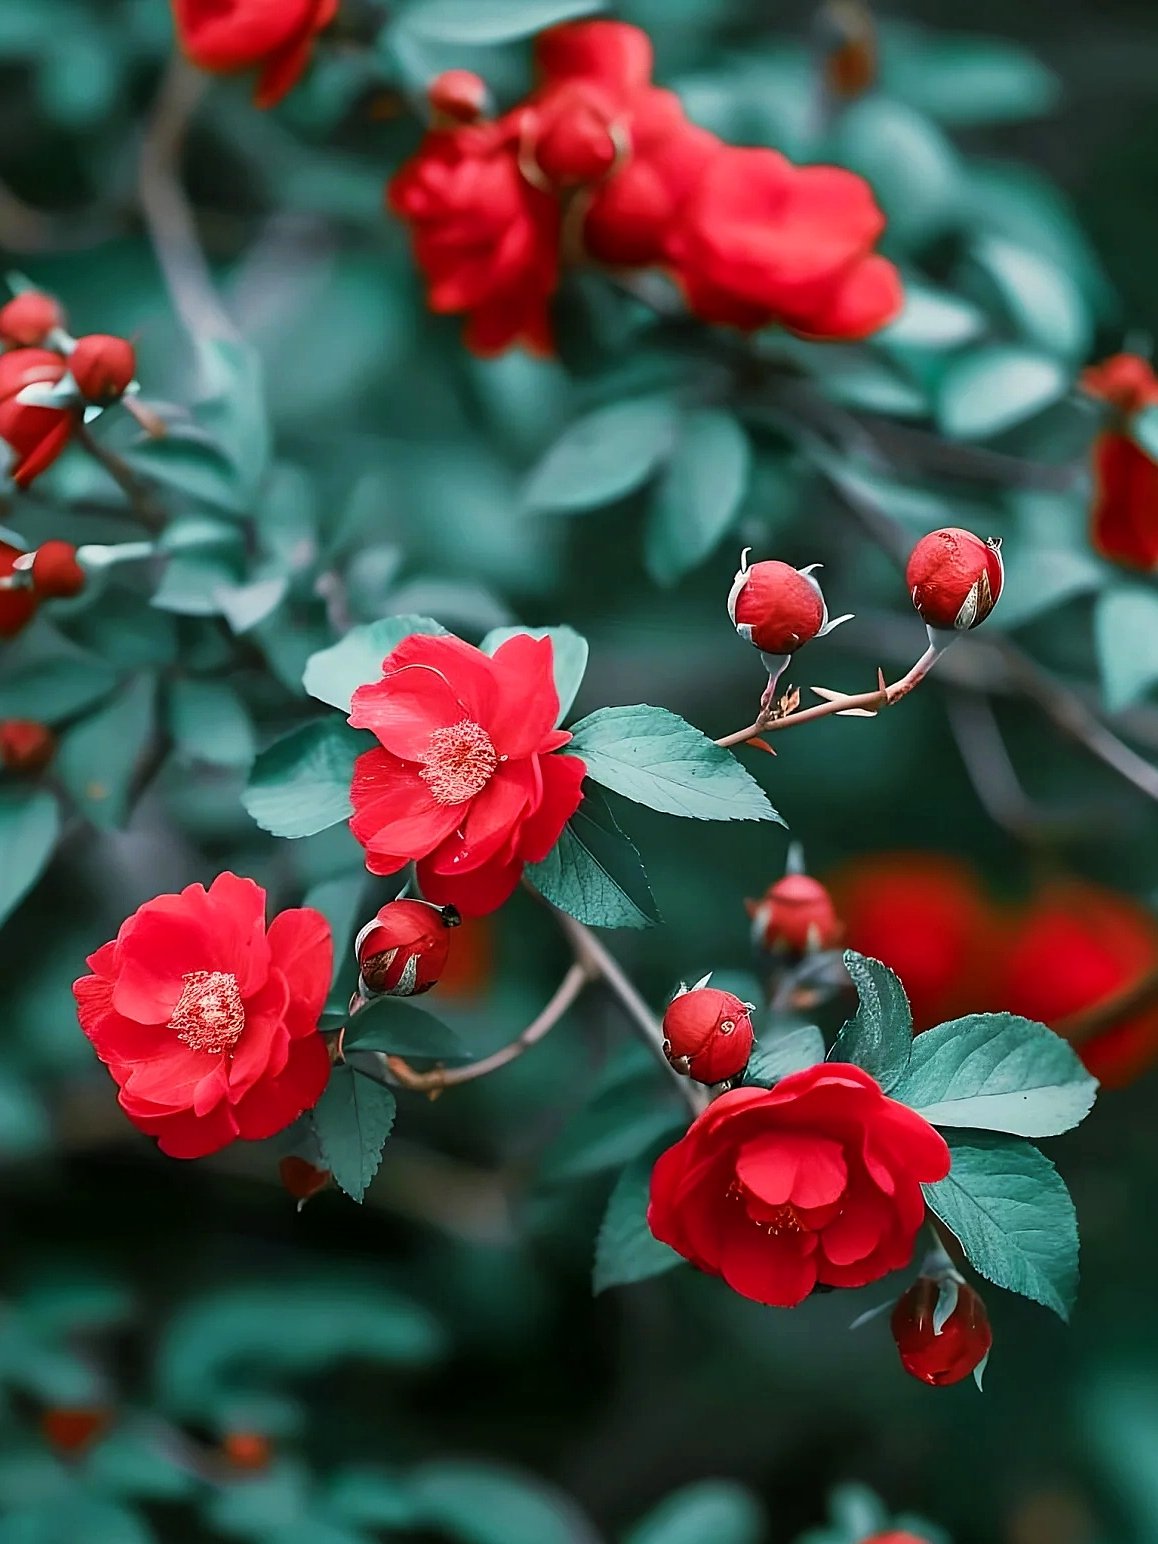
(776, 607)
(28, 320)
(72, 1429)
(955, 578)
(795, 916)
(961, 1345)
(56, 572)
(103, 367)
(302, 1179)
(18, 600)
(573, 139)
(248, 1450)
(458, 96)
(708, 1034)
(25, 745)
(403, 951)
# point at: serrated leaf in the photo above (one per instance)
(210, 723)
(29, 828)
(992, 389)
(603, 456)
(626, 1250)
(352, 1121)
(333, 675)
(301, 783)
(594, 872)
(489, 21)
(996, 1072)
(398, 1028)
(570, 653)
(779, 1052)
(100, 756)
(1010, 1210)
(708, 1512)
(699, 495)
(1126, 637)
(879, 1036)
(655, 758)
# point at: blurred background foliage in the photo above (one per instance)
(182, 1355)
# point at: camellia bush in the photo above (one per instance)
(436, 464)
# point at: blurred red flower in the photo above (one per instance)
(273, 36)
(207, 1020)
(35, 435)
(815, 1180)
(17, 604)
(464, 781)
(1125, 511)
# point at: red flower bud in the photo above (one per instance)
(708, 1034)
(955, 578)
(35, 434)
(17, 604)
(457, 96)
(573, 138)
(964, 1339)
(777, 607)
(72, 1430)
(248, 1450)
(56, 572)
(25, 745)
(302, 1179)
(1126, 381)
(849, 37)
(796, 915)
(895, 1537)
(403, 951)
(103, 367)
(28, 320)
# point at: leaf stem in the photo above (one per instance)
(141, 501)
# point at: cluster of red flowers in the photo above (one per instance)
(600, 165)
(49, 381)
(1125, 513)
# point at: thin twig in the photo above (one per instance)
(143, 506)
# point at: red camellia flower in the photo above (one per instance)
(955, 578)
(29, 320)
(403, 952)
(207, 1020)
(817, 1180)
(486, 239)
(464, 781)
(18, 600)
(708, 1034)
(103, 367)
(940, 1357)
(1077, 947)
(56, 572)
(1125, 513)
(273, 36)
(35, 435)
(25, 745)
(761, 241)
(796, 915)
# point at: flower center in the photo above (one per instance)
(209, 1015)
(784, 1219)
(458, 762)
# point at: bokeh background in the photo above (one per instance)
(424, 1366)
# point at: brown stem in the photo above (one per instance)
(1078, 1028)
(141, 501)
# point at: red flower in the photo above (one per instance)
(35, 435)
(955, 578)
(817, 1180)
(945, 1356)
(18, 600)
(1124, 524)
(103, 367)
(56, 573)
(403, 952)
(796, 915)
(26, 745)
(207, 1020)
(28, 320)
(1126, 381)
(464, 781)
(1077, 947)
(760, 241)
(273, 36)
(708, 1034)
(485, 238)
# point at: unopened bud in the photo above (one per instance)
(103, 368)
(248, 1450)
(955, 578)
(29, 320)
(56, 574)
(458, 96)
(25, 745)
(708, 1034)
(795, 916)
(301, 1179)
(404, 950)
(71, 1429)
(941, 1330)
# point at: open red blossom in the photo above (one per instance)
(35, 435)
(486, 239)
(464, 781)
(207, 1020)
(273, 36)
(761, 241)
(817, 1180)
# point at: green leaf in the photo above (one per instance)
(914, 170)
(483, 1504)
(1038, 579)
(301, 784)
(352, 1121)
(391, 1025)
(626, 1249)
(594, 872)
(188, 462)
(655, 758)
(699, 496)
(879, 1036)
(232, 409)
(570, 657)
(1010, 1210)
(210, 723)
(997, 1072)
(340, 901)
(1144, 431)
(333, 675)
(99, 757)
(53, 689)
(30, 825)
(1126, 637)
(933, 319)
(779, 1052)
(991, 389)
(489, 21)
(708, 1512)
(965, 81)
(617, 1123)
(1040, 298)
(603, 456)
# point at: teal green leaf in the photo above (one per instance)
(301, 783)
(1012, 1214)
(188, 462)
(603, 456)
(708, 1512)
(397, 1027)
(994, 388)
(626, 1250)
(879, 1036)
(594, 872)
(210, 723)
(966, 82)
(489, 21)
(1040, 299)
(779, 1052)
(617, 1124)
(655, 758)
(333, 675)
(570, 657)
(100, 756)
(1038, 579)
(485, 1504)
(340, 901)
(697, 499)
(352, 1121)
(53, 689)
(1126, 638)
(997, 1072)
(1144, 431)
